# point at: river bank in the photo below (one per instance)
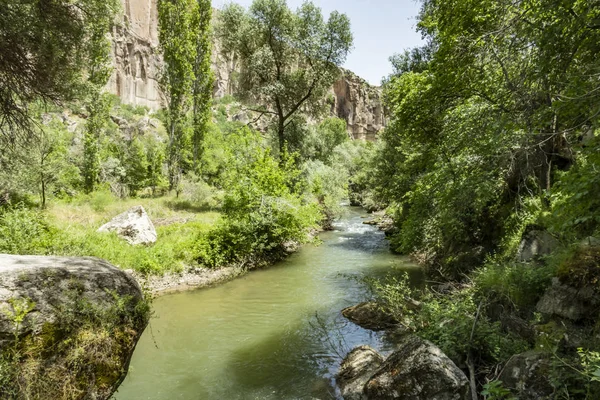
(275, 333)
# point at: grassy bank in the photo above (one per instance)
(71, 229)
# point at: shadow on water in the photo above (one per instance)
(298, 362)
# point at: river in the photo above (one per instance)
(273, 334)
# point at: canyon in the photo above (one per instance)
(137, 61)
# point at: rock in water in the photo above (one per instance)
(133, 225)
(370, 316)
(358, 366)
(418, 371)
(68, 326)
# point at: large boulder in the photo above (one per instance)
(418, 371)
(370, 316)
(133, 225)
(568, 302)
(528, 375)
(68, 326)
(535, 243)
(356, 369)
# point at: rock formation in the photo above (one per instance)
(358, 366)
(67, 325)
(360, 105)
(529, 375)
(137, 61)
(133, 225)
(370, 316)
(417, 371)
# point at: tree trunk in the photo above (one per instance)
(43, 191)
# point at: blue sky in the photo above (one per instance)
(381, 28)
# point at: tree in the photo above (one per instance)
(45, 48)
(178, 27)
(203, 84)
(484, 119)
(288, 59)
(48, 160)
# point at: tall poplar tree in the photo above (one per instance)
(203, 84)
(178, 26)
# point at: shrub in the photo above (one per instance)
(262, 212)
(199, 193)
(24, 231)
(457, 323)
(516, 286)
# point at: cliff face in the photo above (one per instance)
(137, 61)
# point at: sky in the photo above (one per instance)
(381, 28)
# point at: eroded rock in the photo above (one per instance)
(535, 243)
(568, 302)
(528, 374)
(133, 225)
(356, 369)
(418, 371)
(75, 321)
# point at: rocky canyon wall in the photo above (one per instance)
(136, 62)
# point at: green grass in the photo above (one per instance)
(178, 229)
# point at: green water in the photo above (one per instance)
(272, 334)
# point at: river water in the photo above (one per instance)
(272, 334)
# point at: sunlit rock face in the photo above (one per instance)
(360, 105)
(136, 62)
(136, 59)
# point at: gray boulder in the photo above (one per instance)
(76, 322)
(535, 243)
(568, 302)
(528, 375)
(370, 316)
(418, 371)
(356, 369)
(133, 225)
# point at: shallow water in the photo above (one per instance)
(272, 334)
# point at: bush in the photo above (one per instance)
(24, 231)
(262, 212)
(516, 286)
(327, 187)
(199, 193)
(457, 323)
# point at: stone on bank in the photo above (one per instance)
(68, 327)
(417, 371)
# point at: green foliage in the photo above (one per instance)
(484, 119)
(456, 322)
(579, 266)
(495, 391)
(271, 41)
(575, 198)
(262, 212)
(327, 186)
(24, 231)
(178, 30)
(49, 49)
(203, 83)
(516, 286)
(458, 326)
